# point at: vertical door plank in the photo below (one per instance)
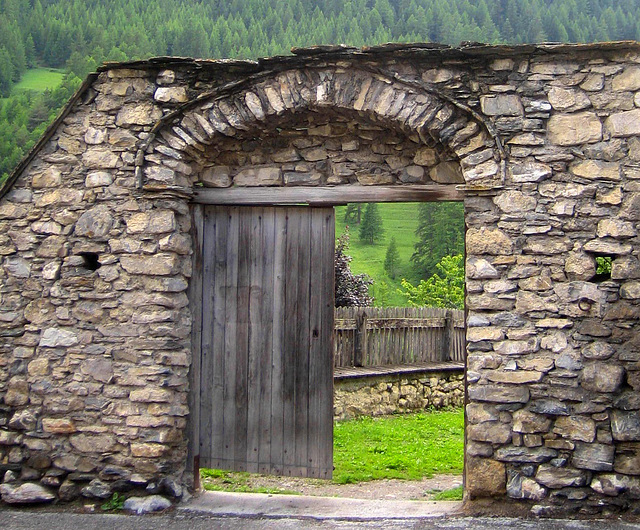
(301, 400)
(325, 377)
(315, 343)
(265, 352)
(291, 338)
(206, 369)
(279, 325)
(215, 286)
(196, 305)
(230, 337)
(242, 339)
(257, 331)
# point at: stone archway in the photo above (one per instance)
(257, 108)
(317, 132)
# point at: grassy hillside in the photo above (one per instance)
(400, 221)
(39, 79)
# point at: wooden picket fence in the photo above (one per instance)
(378, 336)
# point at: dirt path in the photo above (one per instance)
(390, 489)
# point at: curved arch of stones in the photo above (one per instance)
(183, 142)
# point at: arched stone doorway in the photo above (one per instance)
(319, 137)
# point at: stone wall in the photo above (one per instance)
(397, 393)
(95, 251)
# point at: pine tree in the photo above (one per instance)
(353, 213)
(440, 233)
(371, 226)
(392, 259)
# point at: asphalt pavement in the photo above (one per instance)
(225, 511)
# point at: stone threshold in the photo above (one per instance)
(227, 504)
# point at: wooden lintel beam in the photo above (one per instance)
(326, 195)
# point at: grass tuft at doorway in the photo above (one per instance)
(409, 446)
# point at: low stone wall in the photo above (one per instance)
(375, 395)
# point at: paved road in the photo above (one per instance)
(250, 511)
(41, 520)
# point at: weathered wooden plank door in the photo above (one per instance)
(265, 361)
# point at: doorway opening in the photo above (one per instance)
(411, 429)
(399, 349)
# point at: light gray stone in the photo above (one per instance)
(28, 493)
(499, 393)
(265, 176)
(56, 338)
(560, 477)
(447, 173)
(515, 202)
(501, 105)
(623, 124)
(598, 350)
(150, 504)
(170, 95)
(97, 179)
(95, 223)
(96, 489)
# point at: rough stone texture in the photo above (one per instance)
(150, 504)
(374, 396)
(94, 379)
(487, 478)
(28, 493)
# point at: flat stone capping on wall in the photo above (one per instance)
(380, 390)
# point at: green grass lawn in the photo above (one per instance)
(399, 220)
(407, 447)
(39, 79)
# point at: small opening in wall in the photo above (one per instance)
(603, 268)
(90, 261)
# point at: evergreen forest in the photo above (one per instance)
(76, 36)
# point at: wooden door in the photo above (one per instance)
(266, 281)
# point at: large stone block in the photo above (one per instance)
(593, 456)
(625, 425)
(574, 129)
(95, 223)
(485, 478)
(499, 393)
(560, 477)
(501, 105)
(490, 431)
(624, 123)
(628, 80)
(488, 241)
(265, 176)
(597, 170)
(158, 265)
(602, 377)
(138, 114)
(576, 428)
